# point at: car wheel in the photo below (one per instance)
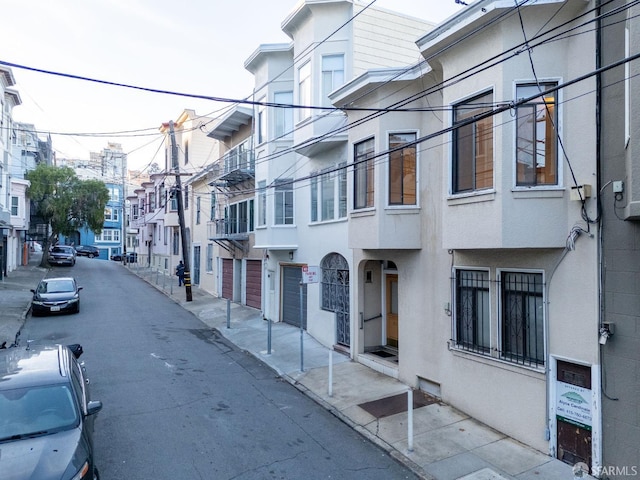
(96, 474)
(77, 308)
(90, 255)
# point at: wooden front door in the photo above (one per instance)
(392, 310)
(574, 437)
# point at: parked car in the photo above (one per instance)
(46, 414)
(131, 257)
(56, 295)
(87, 251)
(62, 255)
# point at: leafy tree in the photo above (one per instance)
(65, 203)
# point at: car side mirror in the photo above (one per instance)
(94, 407)
(33, 290)
(79, 288)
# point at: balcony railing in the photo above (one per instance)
(227, 228)
(239, 159)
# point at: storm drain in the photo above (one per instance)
(385, 407)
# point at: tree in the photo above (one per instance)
(65, 203)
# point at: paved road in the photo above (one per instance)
(181, 402)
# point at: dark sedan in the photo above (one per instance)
(87, 251)
(119, 257)
(46, 415)
(56, 295)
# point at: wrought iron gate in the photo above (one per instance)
(335, 294)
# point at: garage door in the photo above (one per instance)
(254, 283)
(291, 278)
(227, 278)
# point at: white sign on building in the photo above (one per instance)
(310, 274)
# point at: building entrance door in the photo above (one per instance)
(392, 310)
(573, 419)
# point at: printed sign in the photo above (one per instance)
(310, 274)
(573, 404)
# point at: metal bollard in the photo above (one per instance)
(331, 372)
(410, 419)
(269, 336)
(228, 313)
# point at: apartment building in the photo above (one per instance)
(302, 153)
(154, 215)
(237, 266)
(474, 223)
(14, 211)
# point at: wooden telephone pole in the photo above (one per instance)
(178, 193)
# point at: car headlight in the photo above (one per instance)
(74, 300)
(82, 472)
(37, 302)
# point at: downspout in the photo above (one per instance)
(597, 444)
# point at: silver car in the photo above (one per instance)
(62, 255)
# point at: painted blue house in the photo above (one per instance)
(109, 241)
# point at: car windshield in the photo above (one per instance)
(61, 250)
(56, 286)
(34, 411)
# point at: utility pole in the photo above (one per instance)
(123, 164)
(183, 236)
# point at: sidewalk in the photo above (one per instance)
(447, 444)
(15, 298)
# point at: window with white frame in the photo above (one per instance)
(283, 202)
(175, 242)
(239, 217)
(174, 199)
(108, 235)
(536, 137)
(209, 264)
(332, 75)
(114, 194)
(262, 203)
(304, 90)
(328, 190)
(111, 214)
(198, 210)
(261, 129)
(342, 190)
(402, 169)
(522, 317)
(473, 145)
(15, 202)
(212, 213)
(283, 116)
(472, 312)
(363, 174)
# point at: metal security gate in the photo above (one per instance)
(335, 294)
(254, 283)
(227, 278)
(291, 278)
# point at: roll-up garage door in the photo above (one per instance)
(291, 278)
(254, 283)
(227, 278)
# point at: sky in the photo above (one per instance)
(194, 47)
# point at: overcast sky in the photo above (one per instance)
(195, 47)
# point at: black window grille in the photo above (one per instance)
(472, 318)
(523, 318)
